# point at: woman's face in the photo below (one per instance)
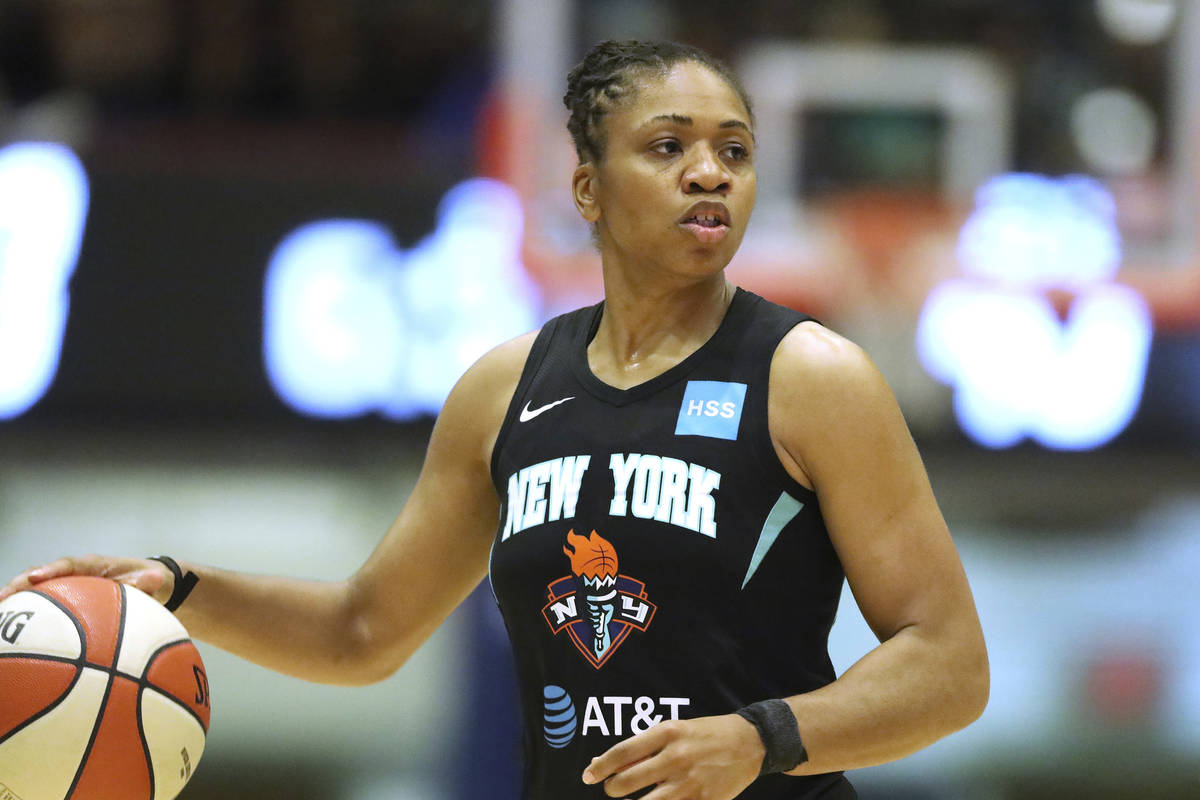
(676, 185)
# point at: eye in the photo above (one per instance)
(735, 152)
(666, 147)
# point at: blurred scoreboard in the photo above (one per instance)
(140, 296)
(151, 296)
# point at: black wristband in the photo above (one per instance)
(776, 726)
(183, 583)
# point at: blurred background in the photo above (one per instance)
(246, 246)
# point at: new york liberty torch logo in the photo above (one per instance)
(596, 605)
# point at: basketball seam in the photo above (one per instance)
(74, 682)
(146, 684)
(140, 690)
(79, 663)
(141, 728)
(83, 642)
(142, 681)
(112, 678)
(145, 744)
(121, 626)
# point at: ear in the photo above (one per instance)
(584, 186)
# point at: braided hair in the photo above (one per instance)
(606, 77)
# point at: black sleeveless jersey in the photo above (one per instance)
(653, 559)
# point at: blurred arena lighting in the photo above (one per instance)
(1069, 376)
(1140, 22)
(43, 208)
(353, 324)
(1115, 131)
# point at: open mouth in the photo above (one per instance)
(705, 221)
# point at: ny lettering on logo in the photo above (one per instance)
(596, 605)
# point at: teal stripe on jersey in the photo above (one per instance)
(784, 511)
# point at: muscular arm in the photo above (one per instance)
(361, 629)
(837, 428)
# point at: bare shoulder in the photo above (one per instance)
(810, 351)
(499, 368)
(826, 395)
(813, 367)
(475, 409)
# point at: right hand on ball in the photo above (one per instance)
(151, 577)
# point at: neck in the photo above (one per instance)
(647, 329)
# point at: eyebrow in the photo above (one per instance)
(683, 119)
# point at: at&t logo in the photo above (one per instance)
(609, 715)
(558, 717)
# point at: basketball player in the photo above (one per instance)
(667, 489)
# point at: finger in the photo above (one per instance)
(33, 575)
(55, 569)
(624, 754)
(17, 584)
(151, 577)
(148, 576)
(152, 581)
(639, 775)
(666, 791)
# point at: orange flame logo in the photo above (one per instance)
(591, 556)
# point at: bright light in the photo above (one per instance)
(1017, 369)
(353, 324)
(1037, 232)
(43, 207)
(1137, 21)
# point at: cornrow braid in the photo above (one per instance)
(606, 77)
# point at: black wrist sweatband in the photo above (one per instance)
(776, 726)
(183, 583)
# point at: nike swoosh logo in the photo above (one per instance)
(527, 413)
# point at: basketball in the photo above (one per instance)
(105, 696)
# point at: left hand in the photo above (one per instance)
(709, 758)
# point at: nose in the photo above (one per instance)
(705, 173)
